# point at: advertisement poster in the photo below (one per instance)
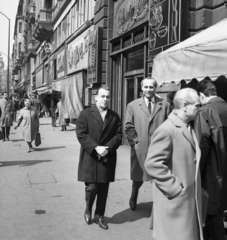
(61, 63)
(51, 71)
(95, 56)
(164, 23)
(77, 52)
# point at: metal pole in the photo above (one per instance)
(8, 77)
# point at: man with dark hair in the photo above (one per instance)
(211, 130)
(99, 132)
(143, 116)
(6, 115)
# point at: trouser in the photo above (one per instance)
(101, 191)
(15, 116)
(53, 121)
(214, 228)
(5, 131)
(135, 189)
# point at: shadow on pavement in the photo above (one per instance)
(47, 148)
(17, 140)
(143, 210)
(22, 163)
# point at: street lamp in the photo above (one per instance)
(8, 52)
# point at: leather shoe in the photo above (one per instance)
(132, 204)
(87, 218)
(102, 224)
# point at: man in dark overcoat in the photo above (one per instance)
(211, 130)
(143, 117)
(99, 132)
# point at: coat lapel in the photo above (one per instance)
(107, 119)
(143, 107)
(157, 107)
(96, 114)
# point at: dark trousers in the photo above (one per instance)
(135, 189)
(101, 191)
(5, 131)
(214, 228)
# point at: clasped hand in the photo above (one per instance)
(102, 150)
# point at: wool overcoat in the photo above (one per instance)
(211, 131)
(139, 127)
(173, 162)
(6, 113)
(91, 132)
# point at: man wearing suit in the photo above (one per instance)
(173, 162)
(99, 132)
(211, 130)
(143, 116)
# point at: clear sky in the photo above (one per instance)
(9, 8)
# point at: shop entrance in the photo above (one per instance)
(132, 91)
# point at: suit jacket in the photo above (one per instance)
(92, 132)
(211, 130)
(139, 127)
(6, 114)
(173, 162)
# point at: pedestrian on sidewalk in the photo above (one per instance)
(99, 132)
(15, 107)
(62, 120)
(30, 123)
(143, 116)
(173, 162)
(211, 130)
(6, 115)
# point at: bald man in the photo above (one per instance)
(173, 162)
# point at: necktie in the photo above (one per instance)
(149, 105)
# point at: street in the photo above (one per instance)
(41, 198)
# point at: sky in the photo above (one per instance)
(9, 8)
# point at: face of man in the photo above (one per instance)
(5, 96)
(148, 88)
(27, 103)
(102, 98)
(192, 107)
(202, 98)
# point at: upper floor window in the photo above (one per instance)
(20, 27)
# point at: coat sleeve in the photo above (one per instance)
(203, 134)
(115, 141)
(130, 130)
(86, 141)
(159, 153)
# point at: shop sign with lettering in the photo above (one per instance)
(129, 14)
(164, 23)
(77, 52)
(95, 57)
(61, 63)
(51, 70)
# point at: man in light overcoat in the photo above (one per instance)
(173, 162)
(99, 132)
(6, 115)
(143, 116)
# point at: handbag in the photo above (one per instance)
(1, 135)
(37, 139)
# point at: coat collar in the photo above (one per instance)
(180, 124)
(157, 106)
(216, 100)
(96, 114)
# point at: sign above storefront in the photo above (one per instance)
(164, 23)
(60, 65)
(95, 57)
(129, 14)
(77, 52)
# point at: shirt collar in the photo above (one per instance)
(147, 100)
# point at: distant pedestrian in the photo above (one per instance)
(62, 121)
(35, 102)
(30, 123)
(143, 116)
(15, 107)
(173, 163)
(211, 130)
(21, 103)
(99, 132)
(6, 115)
(54, 102)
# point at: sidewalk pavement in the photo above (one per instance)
(41, 198)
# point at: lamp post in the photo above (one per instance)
(8, 52)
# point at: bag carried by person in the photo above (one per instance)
(37, 139)
(1, 135)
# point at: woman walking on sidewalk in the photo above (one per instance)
(30, 123)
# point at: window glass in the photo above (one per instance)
(135, 60)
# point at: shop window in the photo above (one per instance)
(135, 60)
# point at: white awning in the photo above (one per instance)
(202, 55)
(43, 90)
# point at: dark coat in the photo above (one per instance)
(211, 130)
(139, 128)
(92, 132)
